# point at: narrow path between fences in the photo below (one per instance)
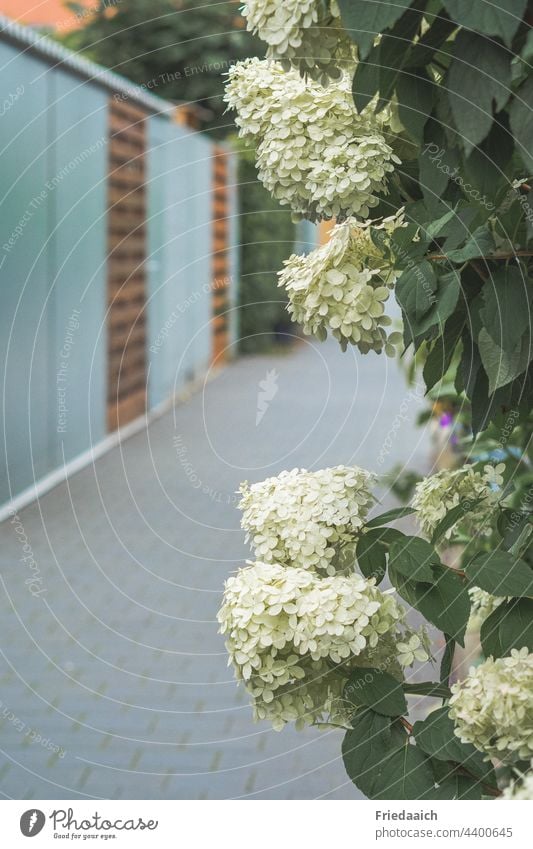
(113, 679)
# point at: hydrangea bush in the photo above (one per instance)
(493, 707)
(375, 115)
(315, 152)
(287, 628)
(407, 120)
(316, 640)
(303, 34)
(483, 604)
(342, 287)
(300, 517)
(521, 788)
(450, 488)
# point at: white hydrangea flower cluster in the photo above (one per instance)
(482, 605)
(315, 152)
(287, 628)
(299, 517)
(493, 707)
(343, 286)
(303, 34)
(412, 649)
(521, 789)
(438, 494)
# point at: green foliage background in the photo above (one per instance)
(182, 48)
(461, 76)
(267, 238)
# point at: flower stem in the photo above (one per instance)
(490, 257)
(406, 724)
(330, 725)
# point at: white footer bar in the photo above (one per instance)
(268, 824)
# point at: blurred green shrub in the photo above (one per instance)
(267, 236)
(177, 49)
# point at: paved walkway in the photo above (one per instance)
(113, 679)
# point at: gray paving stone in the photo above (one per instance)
(119, 662)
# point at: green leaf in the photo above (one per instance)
(446, 663)
(369, 77)
(439, 359)
(508, 627)
(381, 68)
(415, 291)
(489, 634)
(390, 516)
(501, 19)
(414, 558)
(459, 787)
(427, 688)
(407, 775)
(478, 80)
(366, 747)
(446, 603)
(435, 228)
(364, 20)
(404, 249)
(485, 177)
(484, 406)
(445, 303)
(459, 227)
(507, 307)
(376, 689)
(438, 161)
(500, 574)
(478, 244)
(516, 625)
(436, 737)
(511, 523)
(502, 366)
(521, 114)
(372, 555)
(438, 33)
(371, 551)
(415, 92)
(452, 517)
